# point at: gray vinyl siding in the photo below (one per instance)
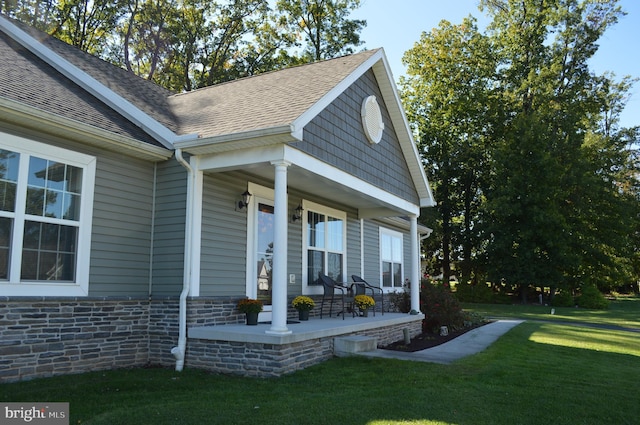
(121, 237)
(224, 237)
(122, 209)
(353, 247)
(372, 253)
(294, 246)
(336, 136)
(168, 250)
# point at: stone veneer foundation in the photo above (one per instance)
(42, 337)
(265, 359)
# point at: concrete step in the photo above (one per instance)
(354, 344)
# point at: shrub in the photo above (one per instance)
(592, 298)
(471, 319)
(562, 299)
(440, 307)
(470, 293)
(400, 301)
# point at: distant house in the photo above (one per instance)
(133, 219)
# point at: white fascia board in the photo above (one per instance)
(241, 140)
(405, 224)
(235, 159)
(161, 133)
(280, 152)
(40, 120)
(343, 178)
(380, 65)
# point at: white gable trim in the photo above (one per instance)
(333, 94)
(380, 66)
(93, 86)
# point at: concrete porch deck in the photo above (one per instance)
(304, 330)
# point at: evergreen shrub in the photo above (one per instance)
(592, 298)
(563, 299)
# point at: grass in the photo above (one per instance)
(538, 373)
(623, 312)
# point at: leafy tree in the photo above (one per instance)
(537, 203)
(521, 140)
(323, 25)
(187, 44)
(448, 92)
(87, 24)
(37, 13)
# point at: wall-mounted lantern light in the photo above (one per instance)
(297, 215)
(245, 200)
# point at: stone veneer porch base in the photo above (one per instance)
(49, 336)
(250, 351)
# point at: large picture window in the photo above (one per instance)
(45, 202)
(325, 239)
(391, 258)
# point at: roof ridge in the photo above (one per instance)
(274, 71)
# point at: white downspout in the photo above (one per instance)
(179, 351)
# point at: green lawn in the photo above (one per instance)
(624, 312)
(538, 373)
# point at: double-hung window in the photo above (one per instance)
(45, 218)
(391, 258)
(325, 240)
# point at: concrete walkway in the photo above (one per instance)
(467, 344)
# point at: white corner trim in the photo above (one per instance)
(93, 86)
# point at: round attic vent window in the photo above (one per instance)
(372, 119)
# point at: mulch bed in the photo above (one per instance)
(428, 340)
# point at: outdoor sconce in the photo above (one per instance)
(245, 200)
(298, 214)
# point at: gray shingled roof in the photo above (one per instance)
(144, 94)
(26, 79)
(262, 101)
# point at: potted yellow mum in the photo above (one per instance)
(303, 304)
(364, 303)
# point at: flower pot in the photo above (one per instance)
(365, 312)
(252, 318)
(303, 315)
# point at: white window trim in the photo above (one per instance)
(80, 288)
(322, 209)
(393, 234)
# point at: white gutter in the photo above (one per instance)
(179, 351)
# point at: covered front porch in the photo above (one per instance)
(251, 350)
(317, 175)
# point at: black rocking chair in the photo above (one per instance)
(362, 286)
(329, 293)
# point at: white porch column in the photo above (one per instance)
(415, 263)
(279, 272)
